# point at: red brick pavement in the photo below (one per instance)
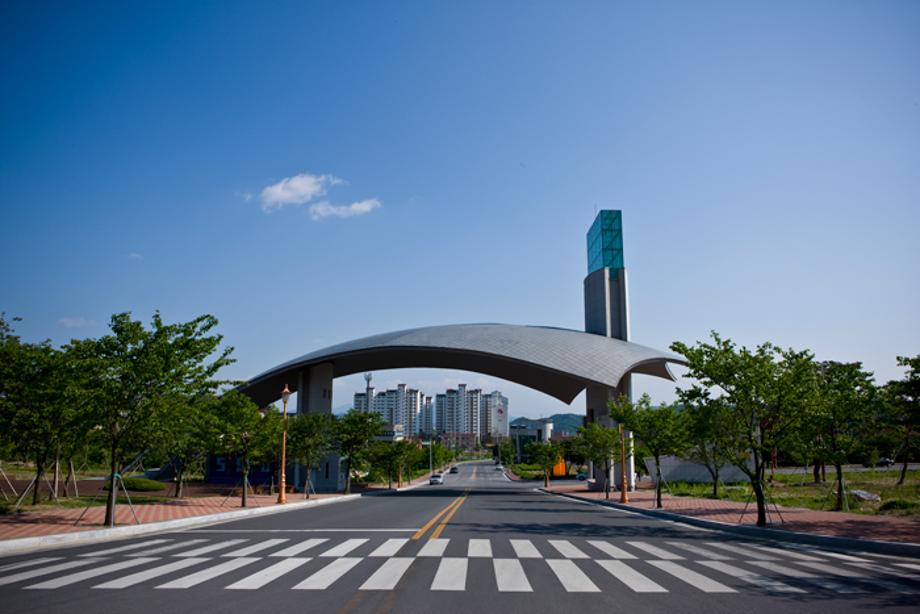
(889, 528)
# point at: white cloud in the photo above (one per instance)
(79, 322)
(135, 256)
(296, 190)
(325, 209)
(247, 196)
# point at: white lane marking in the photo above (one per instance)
(163, 549)
(29, 563)
(44, 571)
(388, 575)
(451, 575)
(510, 577)
(268, 543)
(703, 552)
(524, 549)
(147, 574)
(301, 547)
(272, 572)
(210, 573)
(211, 548)
(750, 577)
(792, 554)
(479, 548)
(697, 580)
(655, 551)
(838, 555)
(390, 547)
(611, 550)
(324, 578)
(567, 549)
(826, 583)
(86, 574)
(572, 578)
(135, 546)
(434, 547)
(748, 553)
(345, 547)
(630, 577)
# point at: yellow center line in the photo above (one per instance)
(437, 532)
(437, 516)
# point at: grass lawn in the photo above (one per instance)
(798, 490)
(6, 507)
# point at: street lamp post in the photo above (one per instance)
(282, 498)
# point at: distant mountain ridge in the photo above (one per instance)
(562, 423)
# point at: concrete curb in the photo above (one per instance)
(32, 544)
(812, 539)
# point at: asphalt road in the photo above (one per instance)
(478, 543)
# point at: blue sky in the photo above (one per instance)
(443, 164)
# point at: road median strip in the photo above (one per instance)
(431, 523)
(437, 532)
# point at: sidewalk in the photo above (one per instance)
(838, 524)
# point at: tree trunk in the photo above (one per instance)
(307, 484)
(904, 466)
(39, 474)
(841, 493)
(348, 475)
(816, 471)
(66, 489)
(657, 483)
(545, 478)
(714, 474)
(56, 483)
(113, 489)
(607, 469)
(180, 483)
(245, 498)
(823, 472)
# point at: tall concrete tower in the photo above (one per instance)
(607, 312)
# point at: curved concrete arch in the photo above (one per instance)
(556, 361)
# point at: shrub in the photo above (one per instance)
(141, 485)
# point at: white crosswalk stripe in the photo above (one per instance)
(119, 549)
(388, 575)
(211, 548)
(149, 574)
(479, 548)
(885, 570)
(567, 549)
(86, 574)
(451, 575)
(859, 575)
(434, 547)
(345, 547)
(168, 548)
(208, 574)
(788, 553)
(390, 547)
(510, 576)
(697, 550)
(611, 550)
(751, 577)
(250, 550)
(29, 563)
(524, 549)
(44, 571)
(573, 579)
(826, 583)
(909, 565)
(301, 547)
(324, 578)
(839, 555)
(630, 577)
(747, 553)
(655, 551)
(697, 580)
(270, 573)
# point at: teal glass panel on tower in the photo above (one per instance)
(605, 241)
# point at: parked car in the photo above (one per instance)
(581, 476)
(499, 467)
(437, 478)
(454, 470)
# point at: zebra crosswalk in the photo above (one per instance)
(515, 565)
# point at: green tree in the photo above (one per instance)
(247, 433)
(661, 430)
(844, 411)
(903, 410)
(310, 439)
(184, 432)
(601, 445)
(706, 428)
(354, 433)
(544, 454)
(135, 372)
(573, 452)
(766, 390)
